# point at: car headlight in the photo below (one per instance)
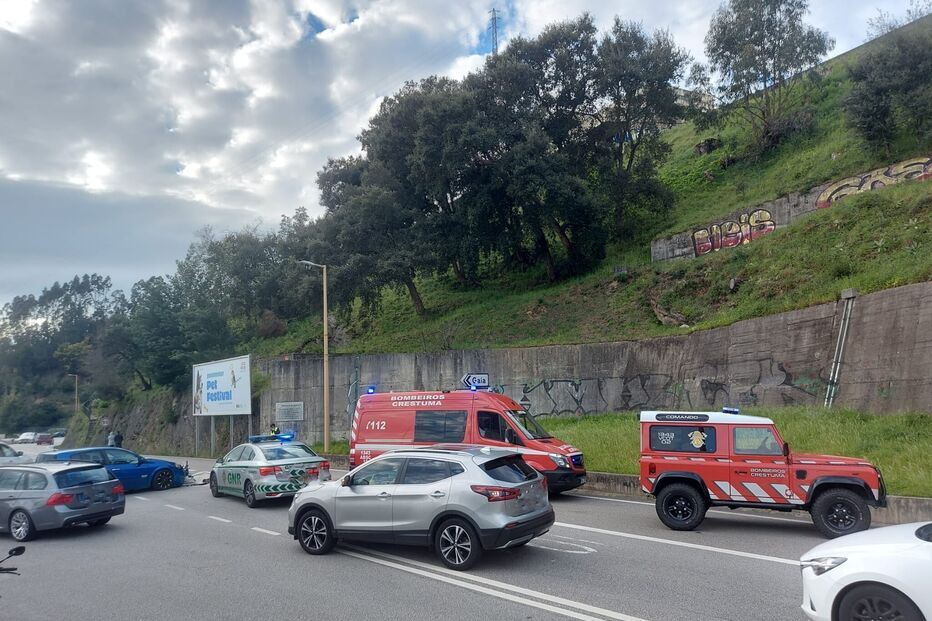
(559, 460)
(821, 565)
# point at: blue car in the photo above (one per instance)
(134, 471)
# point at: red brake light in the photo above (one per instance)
(118, 489)
(59, 499)
(313, 471)
(496, 494)
(265, 471)
(325, 465)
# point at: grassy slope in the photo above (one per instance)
(896, 444)
(870, 242)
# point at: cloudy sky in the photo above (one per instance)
(125, 126)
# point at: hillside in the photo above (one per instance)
(869, 242)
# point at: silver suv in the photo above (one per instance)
(457, 499)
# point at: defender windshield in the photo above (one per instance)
(528, 426)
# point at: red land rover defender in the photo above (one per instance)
(387, 421)
(693, 460)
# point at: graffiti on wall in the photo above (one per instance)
(919, 168)
(757, 382)
(730, 233)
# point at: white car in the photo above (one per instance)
(28, 437)
(876, 574)
(11, 456)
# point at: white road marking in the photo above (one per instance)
(219, 519)
(582, 549)
(175, 508)
(463, 580)
(549, 535)
(141, 497)
(267, 532)
(683, 544)
(715, 511)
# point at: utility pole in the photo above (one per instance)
(493, 27)
(326, 358)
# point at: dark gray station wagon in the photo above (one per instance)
(38, 497)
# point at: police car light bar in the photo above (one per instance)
(731, 411)
(281, 437)
(370, 390)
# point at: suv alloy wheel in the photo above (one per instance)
(457, 544)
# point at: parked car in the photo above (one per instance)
(879, 574)
(386, 421)
(59, 434)
(39, 497)
(269, 466)
(11, 456)
(691, 461)
(26, 438)
(458, 499)
(44, 438)
(133, 470)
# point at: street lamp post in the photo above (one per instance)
(326, 359)
(75, 376)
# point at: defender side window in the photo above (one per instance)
(756, 441)
(682, 438)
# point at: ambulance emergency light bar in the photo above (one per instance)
(281, 437)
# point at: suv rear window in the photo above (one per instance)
(84, 476)
(511, 469)
(682, 438)
(442, 426)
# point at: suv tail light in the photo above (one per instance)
(59, 499)
(118, 489)
(495, 493)
(265, 471)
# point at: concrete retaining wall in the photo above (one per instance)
(778, 360)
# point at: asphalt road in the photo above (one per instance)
(181, 554)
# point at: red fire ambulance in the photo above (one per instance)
(387, 421)
(693, 460)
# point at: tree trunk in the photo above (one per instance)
(561, 233)
(459, 272)
(415, 298)
(544, 247)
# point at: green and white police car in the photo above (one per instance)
(267, 467)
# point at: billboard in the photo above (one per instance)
(222, 387)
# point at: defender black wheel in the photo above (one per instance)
(457, 544)
(100, 522)
(840, 511)
(681, 507)
(249, 495)
(877, 601)
(21, 526)
(315, 533)
(163, 479)
(214, 487)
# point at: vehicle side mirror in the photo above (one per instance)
(346, 481)
(141, 460)
(19, 453)
(219, 460)
(786, 449)
(511, 437)
(17, 551)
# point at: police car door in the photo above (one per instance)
(758, 469)
(228, 473)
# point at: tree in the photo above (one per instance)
(760, 48)
(891, 84)
(636, 75)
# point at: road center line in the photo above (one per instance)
(433, 575)
(683, 544)
(713, 511)
(219, 519)
(175, 508)
(504, 586)
(267, 532)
